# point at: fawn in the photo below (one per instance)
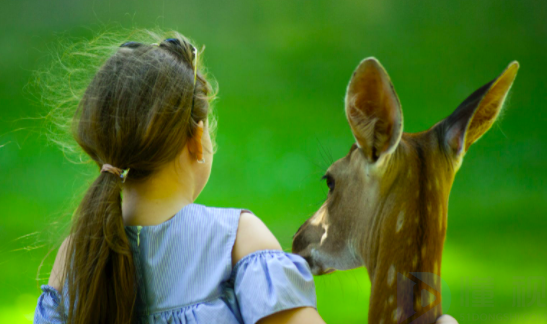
(388, 197)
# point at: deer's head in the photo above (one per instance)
(388, 197)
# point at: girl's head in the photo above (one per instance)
(142, 110)
(144, 105)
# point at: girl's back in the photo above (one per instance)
(185, 274)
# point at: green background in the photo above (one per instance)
(282, 68)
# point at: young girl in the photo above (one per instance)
(155, 256)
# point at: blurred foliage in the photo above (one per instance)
(282, 69)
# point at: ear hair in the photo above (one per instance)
(373, 110)
(477, 113)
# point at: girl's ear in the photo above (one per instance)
(195, 144)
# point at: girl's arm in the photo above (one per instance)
(55, 279)
(294, 315)
(253, 235)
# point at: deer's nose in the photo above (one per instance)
(309, 260)
(300, 228)
(299, 242)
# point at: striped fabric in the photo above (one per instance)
(185, 275)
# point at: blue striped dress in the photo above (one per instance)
(185, 274)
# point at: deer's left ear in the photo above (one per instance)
(373, 110)
(477, 113)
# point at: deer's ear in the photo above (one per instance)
(478, 112)
(373, 110)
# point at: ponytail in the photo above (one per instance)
(101, 273)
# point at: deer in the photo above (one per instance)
(387, 201)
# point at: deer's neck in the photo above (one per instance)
(404, 254)
(405, 274)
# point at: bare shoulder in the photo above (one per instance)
(56, 278)
(252, 235)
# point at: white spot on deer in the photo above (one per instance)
(390, 300)
(318, 217)
(391, 275)
(326, 231)
(397, 312)
(400, 221)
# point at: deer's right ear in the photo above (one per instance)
(477, 113)
(373, 110)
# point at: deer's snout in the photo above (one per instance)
(305, 240)
(299, 242)
(300, 245)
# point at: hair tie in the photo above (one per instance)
(116, 171)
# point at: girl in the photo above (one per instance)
(155, 256)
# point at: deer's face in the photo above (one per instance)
(391, 183)
(367, 198)
(330, 239)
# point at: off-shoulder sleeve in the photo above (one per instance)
(269, 281)
(48, 309)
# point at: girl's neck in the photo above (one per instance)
(158, 198)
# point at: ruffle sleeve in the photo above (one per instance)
(269, 281)
(48, 309)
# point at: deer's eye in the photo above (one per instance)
(330, 181)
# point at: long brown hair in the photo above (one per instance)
(137, 112)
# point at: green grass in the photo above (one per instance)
(283, 67)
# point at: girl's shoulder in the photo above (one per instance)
(252, 235)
